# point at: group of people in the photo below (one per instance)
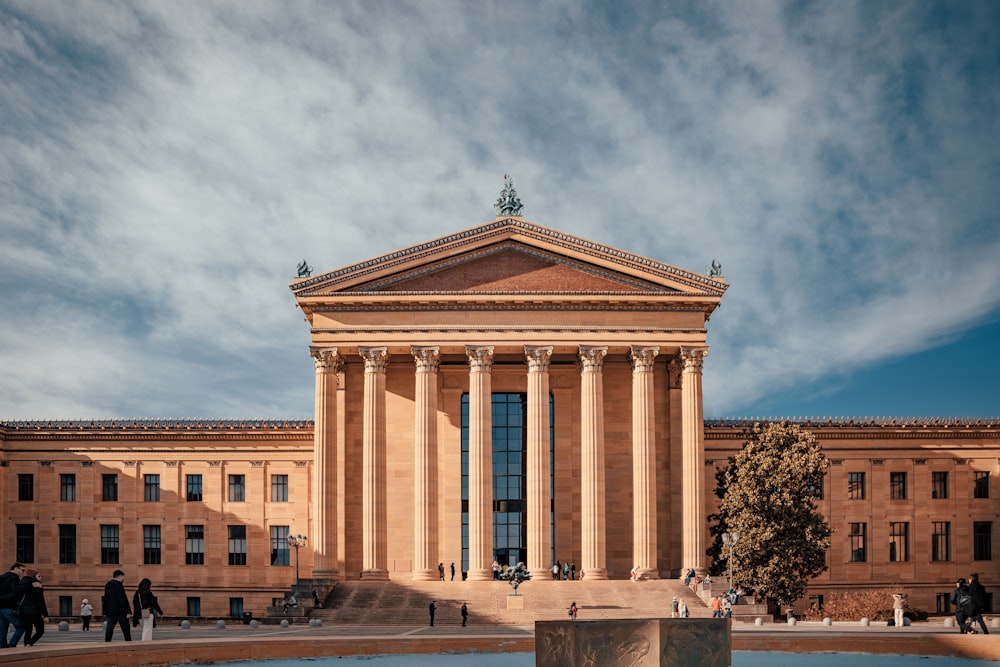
(970, 601)
(565, 571)
(441, 571)
(464, 610)
(22, 606)
(117, 610)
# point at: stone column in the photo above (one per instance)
(593, 547)
(425, 504)
(539, 517)
(643, 462)
(324, 493)
(695, 528)
(480, 462)
(374, 535)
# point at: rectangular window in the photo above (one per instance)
(25, 542)
(67, 487)
(151, 485)
(109, 545)
(856, 486)
(943, 603)
(194, 545)
(26, 486)
(815, 486)
(237, 488)
(939, 485)
(151, 552)
(194, 606)
(237, 545)
(193, 488)
(109, 488)
(66, 605)
(236, 608)
(279, 488)
(982, 540)
(941, 541)
(859, 538)
(67, 543)
(897, 486)
(899, 542)
(982, 488)
(279, 546)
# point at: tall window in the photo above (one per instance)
(899, 542)
(279, 488)
(237, 488)
(193, 488)
(982, 540)
(194, 606)
(194, 545)
(897, 485)
(25, 542)
(151, 486)
(237, 545)
(67, 487)
(26, 486)
(859, 539)
(982, 487)
(235, 607)
(109, 488)
(941, 541)
(67, 543)
(151, 553)
(814, 485)
(855, 486)
(109, 545)
(279, 546)
(66, 605)
(939, 485)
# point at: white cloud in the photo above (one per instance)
(164, 167)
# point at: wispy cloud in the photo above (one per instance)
(163, 167)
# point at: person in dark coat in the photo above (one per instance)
(116, 609)
(432, 608)
(146, 608)
(34, 613)
(978, 593)
(10, 594)
(465, 614)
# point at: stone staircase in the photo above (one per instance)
(489, 602)
(744, 611)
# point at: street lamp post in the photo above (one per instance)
(729, 541)
(297, 541)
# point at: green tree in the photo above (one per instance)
(766, 494)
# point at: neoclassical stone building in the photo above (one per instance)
(506, 393)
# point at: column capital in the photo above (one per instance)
(376, 358)
(692, 358)
(592, 357)
(427, 359)
(642, 357)
(480, 358)
(539, 357)
(326, 359)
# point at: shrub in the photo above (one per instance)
(873, 603)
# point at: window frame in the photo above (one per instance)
(981, 484)
(939, 484)
(899, 541)
(237, 545)
(194, 488)
(110, 544)
(281, 550)
(940, 541)
(109, 487)
(858, 536)
(856, 486)
(67, 487)
(152, 544)
(279, 488)
(237, 488)
(897, 485)
(25, 486)
(67, 544)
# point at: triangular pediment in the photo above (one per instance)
(509, 256)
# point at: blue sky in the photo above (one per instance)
(165, 166)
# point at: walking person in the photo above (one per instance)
(979, 597)
(115, 607)
(465, 614)
(146, 608)
(10, 594)
(674, 607)
(441, 571)
(964, 606)
(573, 611)
(682, 609)
(431, 608)
(86, 613)
(34, 613)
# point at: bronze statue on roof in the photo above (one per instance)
(508, 204)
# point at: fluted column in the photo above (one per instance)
(643, 462)
(374, 535)
(539, 517)
(480, 462)
(693, 460)
(425, 498)
(324, 492)
(592, 521)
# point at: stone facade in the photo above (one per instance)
(601, 354)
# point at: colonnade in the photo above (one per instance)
(328, 480)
